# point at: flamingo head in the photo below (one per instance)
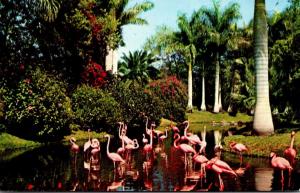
(293, 133)
(176, 135)
(106, 135)
(185, 122)
(95, 143)
(72, 140)
(272, 154)
(232, 143)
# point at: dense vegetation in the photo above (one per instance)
(54, 78)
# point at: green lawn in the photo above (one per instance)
(10, 142)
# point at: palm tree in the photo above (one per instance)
(124, 16)
(47, 9)
(219, 23)
(185, 43)
(263, 123)
(137, 66)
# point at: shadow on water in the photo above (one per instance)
(56, 168)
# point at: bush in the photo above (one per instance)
(173, 94)
(135, 103)
(95, 108)
(39, 107)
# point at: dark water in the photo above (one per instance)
(56, 168)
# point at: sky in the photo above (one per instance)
(165, 12)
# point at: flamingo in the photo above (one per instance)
(183, 147)
(130, 147)
(282, 164)
(163, 137)
(193, 139)
(219, 167)
(290, 152)
(121, 150)
(144, 139)
(113, 156)
(122, 135)
(148, 131)
(202, 160)
(148, 147)
(203, 142)
(74, 146)
(87, 144)
(174, 128)
(238, 147)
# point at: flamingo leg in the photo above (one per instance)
(282, 180)
(221, 183)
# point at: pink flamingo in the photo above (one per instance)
(95, 144)
(121, 150)
(238, 147)
(87, 144)
(202, 160)
(113, 156)
(144, 139)
(193, 139)
(122, 135)
(74, 146)
(290, 153)
(183, 147)
(148, 131)
(148, 147)
(130, 147)
(163, 137)
(282, 164)
(174, 128)
(219, 167)
(203, 142)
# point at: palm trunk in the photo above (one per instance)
(203, 106)
(217, 75)
(220, 97)
(190, 88)
(263, 123)
(111, 63)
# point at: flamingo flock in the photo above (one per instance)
(189, 144)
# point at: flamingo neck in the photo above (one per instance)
(107, 146)
(166, 133)
(292, 141)
(176, 139)
(151, 138)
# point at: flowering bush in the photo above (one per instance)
(135, 102)
(39, 108)
(173, 94)
(95, 108)
(94, 75)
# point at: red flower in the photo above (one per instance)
(29, 186)
(94, 74)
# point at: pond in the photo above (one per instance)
(56, 168)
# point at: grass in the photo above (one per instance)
(261, 146)
(10, 142)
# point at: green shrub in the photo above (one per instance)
(95, 108)
(173, 94)
(39, 107)
(135, 102)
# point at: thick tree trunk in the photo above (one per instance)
(263, 123)
(203, 106)
(190, 88)
(217, 75)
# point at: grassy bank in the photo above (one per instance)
(263, 145)
(83, 135)
(10, 142)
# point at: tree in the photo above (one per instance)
(263, 123)
(120, 12)
(219, 23)
(137, 66)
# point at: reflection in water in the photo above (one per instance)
(55, 168)
(263, 179)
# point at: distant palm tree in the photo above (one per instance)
(47, 9)
(124, 15)
(137, 66)
(263, 123)
(219, 23)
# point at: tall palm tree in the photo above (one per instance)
(186, 44)
(137, 66)
(263, 123)
(47, 9)
(118, 9)
(219, 23)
